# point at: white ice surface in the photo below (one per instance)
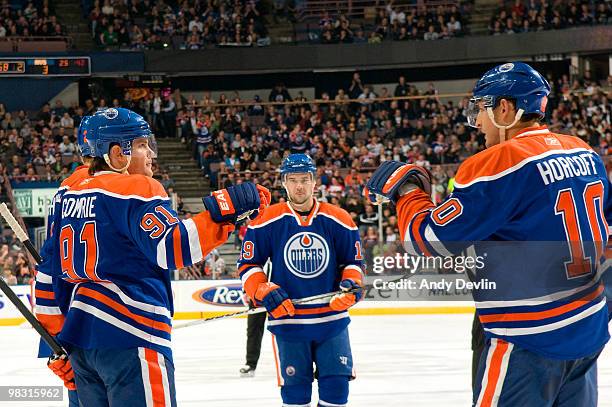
(404, 360)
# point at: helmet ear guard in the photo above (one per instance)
(126, 150)
(502, 129)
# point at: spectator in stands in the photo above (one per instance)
(109, 38)
(166, 181)
(67, 121)
(279, 94)
(453, 26)
(431, 34)
(67, 148)
(356, 87)
(369, 218)
(8, 276)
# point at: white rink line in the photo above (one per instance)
(411, 360)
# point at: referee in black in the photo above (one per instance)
(478, 343)
(255, 331)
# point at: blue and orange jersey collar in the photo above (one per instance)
(533, 131)
(311, 216)
(79, 174)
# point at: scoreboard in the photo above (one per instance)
(45, 66)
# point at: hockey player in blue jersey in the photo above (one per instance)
(547, 321)
(47, 307)
(115, 237)
(314, 248)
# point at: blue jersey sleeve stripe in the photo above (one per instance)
(436, 245)
(180, 246)
(186, 251)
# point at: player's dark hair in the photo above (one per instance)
(99, 164)
(526, 118)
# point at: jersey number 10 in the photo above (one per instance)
(577, 234)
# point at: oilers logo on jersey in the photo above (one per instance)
(309, 257)
(306, 255)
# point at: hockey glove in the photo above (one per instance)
(394, 179)
(275, 299)
(342, 302)
(265, 198)
(60, 365)
(236, 202)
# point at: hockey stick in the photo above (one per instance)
(259, 310)
(23, 238)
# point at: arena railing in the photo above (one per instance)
(370, 101)
(36, 44)
(335, 102)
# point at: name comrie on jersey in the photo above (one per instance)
(113, 241)
(79, 207)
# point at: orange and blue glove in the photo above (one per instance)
(351, 295)
(275, 299)
(60, 365)
(390, 176)
(237, 202)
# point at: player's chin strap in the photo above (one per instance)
(502, 129)
(122, 169)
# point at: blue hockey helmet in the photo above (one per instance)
(115, 126)
(298, 163)
(82, 133)
(514, 80)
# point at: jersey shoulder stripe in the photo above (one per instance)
(337, 214)
(271, 214)
(122, 186)
(79, 174)
(506, 158)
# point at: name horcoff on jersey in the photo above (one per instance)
(560, 168)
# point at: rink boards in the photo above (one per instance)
(197, 299)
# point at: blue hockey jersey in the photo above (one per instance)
(50, 310)
(542, 203)
(309, 257)
(115, 236)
